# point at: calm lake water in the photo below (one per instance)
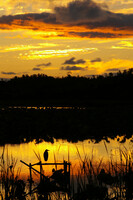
(105, 152)
(62, 150)
(112, 155)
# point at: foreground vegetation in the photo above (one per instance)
(94, 180)
(111, 180)
(11, 186)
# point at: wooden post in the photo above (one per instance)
(65, 167)
(67, 176)
(30, 178)
(40, 171)
(69, 189)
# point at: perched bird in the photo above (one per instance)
(45, 155)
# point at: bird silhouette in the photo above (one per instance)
(45, 154)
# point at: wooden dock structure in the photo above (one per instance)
(58, 181)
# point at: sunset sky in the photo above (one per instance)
(57, 37)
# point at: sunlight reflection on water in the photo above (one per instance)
(45, 107)
(62, 150)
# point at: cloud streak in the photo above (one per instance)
(41, 54)
(36, 69)
(96, 60)
(72, 61)
(8, 73)
(44, 64)
(73, 68)
(113, 70)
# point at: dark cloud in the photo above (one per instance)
(91, 14)
(72, 68)
(43, 17)
(44, 64)
(8, 73)
(95, 34)
(85, 13)
(36, 69)
(96, 60)
(81, 11)
(113, 70)
(72, 61)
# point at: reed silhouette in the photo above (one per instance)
(12, 186)
(93, 180)
(99, 180)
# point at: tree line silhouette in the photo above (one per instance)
(70, 90)
(107, 101)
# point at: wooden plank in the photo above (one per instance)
(51, 164)
(33, 168)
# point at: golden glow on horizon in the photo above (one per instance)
(88, 68)
(112, 66)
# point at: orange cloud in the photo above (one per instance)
(77, 19)
(63, 30)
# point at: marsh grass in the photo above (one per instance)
(100, 180)
(11, 186)
(94, 180)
